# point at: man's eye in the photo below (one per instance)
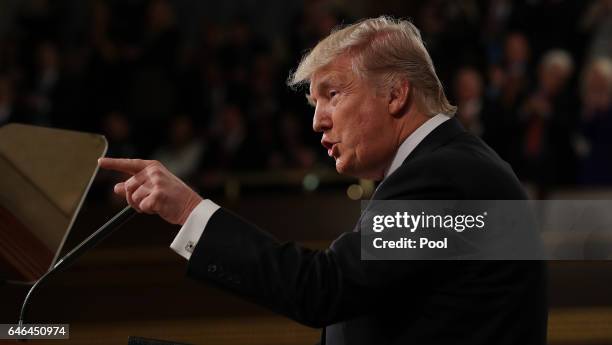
(332, 94)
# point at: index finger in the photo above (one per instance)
(129, 166)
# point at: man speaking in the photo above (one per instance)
(383, 115)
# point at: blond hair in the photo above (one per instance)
(559, 58)
(384, 49)
(600, 65)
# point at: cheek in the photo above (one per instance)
(359, 126)
(370, 138)
(356, 133)
(372, 126)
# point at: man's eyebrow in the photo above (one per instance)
(324, 84)
(322, 87)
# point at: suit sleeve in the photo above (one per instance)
(314, 287)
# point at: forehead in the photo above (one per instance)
(339, 71)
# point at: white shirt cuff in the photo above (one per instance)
(185, 241)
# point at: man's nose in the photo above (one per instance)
(321, 120)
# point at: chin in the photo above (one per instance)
(344, 168)
(341, 168)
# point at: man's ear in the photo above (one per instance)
(399, 96)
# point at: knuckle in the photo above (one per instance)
(156, 207)
(156, 196)
(130, 185)
(159, 166)
(155, 202)
(155, 179)
(138, 197)
(144, 206)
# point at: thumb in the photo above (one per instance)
(120, 189)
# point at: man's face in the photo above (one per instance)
(358, 130)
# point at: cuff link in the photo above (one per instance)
(189, 246)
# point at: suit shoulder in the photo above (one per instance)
(471, 166)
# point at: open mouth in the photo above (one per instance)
(330, 151)
(330, 146)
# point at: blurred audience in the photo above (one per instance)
(598, 21)
(547, 118)
(595, 142)
(468, 94)
(117, 130)
(184, 148)
(230, 148)
(511, 67)
(44, 84)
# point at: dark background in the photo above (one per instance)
(200, 86)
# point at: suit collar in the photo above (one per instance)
(413, 140)
(438, 137)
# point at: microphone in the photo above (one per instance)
(108, 228)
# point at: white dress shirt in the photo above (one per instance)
(189, 235)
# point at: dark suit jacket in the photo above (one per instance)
(390, 302)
